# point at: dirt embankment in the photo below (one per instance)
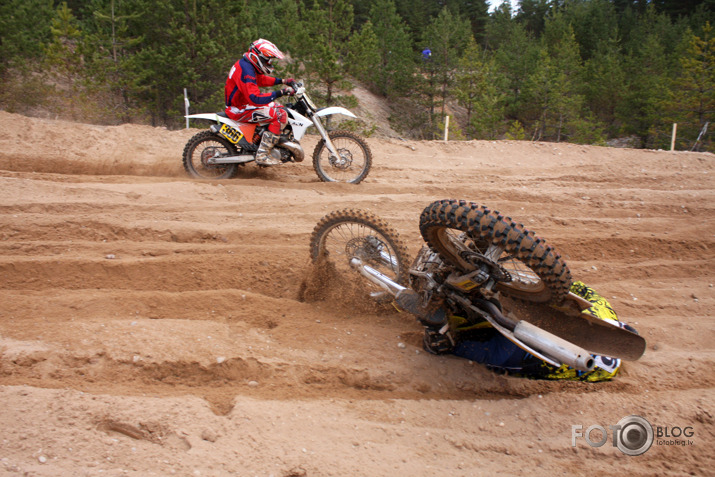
(150, 324)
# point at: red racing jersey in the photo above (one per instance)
(242, 87)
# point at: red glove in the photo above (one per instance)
(288, 81)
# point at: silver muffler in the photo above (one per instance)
(231, 159)
(532, 339)
(554, 347)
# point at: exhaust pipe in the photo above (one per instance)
(541, 343)
(298, 155)
(231, 159)
(551, 345)
(294, 147)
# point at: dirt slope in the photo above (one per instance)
(150, 324)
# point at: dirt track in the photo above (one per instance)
(150, 324)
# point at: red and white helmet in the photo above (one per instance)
(261, 53)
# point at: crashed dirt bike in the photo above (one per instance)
(340, 156)
(476, 261)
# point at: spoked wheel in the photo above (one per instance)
(342, 235)
(352, 164)
(467, 235)
(200, 149)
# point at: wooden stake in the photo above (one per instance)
(186, 107)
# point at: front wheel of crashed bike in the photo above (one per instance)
(466, 235)
(352, 233)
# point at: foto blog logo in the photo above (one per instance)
(633, 435)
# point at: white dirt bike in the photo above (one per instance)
(340, 156)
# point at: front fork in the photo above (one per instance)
(324, 134)
(376, 277)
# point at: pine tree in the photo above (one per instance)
(363, 48)
(648, 67)
(24, 28)
(64, 58)
(677, 8)
(395, 64)
(478, 87)
(532, 14)
(24, 31)
(180, 48)
(446, 36)
(499, 26)
(552, 88)
(595, 25)
(416, 14)
(604, 85)
(517, 55)
(691, 103)
(325, 35)
(475, 11)
(109, 60)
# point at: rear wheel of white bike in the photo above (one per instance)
(200, 149)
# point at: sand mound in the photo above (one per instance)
(152, 324)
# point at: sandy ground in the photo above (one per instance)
(150, 324)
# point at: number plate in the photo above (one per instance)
(467, 285)
(232, 134)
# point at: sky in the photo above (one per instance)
(496, 3)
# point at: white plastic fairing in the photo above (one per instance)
(299, 124)
(214, 117)
(334, 110)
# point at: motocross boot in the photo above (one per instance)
(433, 314)
(437, 341)
(268, 142)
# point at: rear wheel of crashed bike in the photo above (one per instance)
(201, 148)
(352, 164)
(462, 231)
(348, 233)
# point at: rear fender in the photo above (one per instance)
(210, 116)
(248, 129)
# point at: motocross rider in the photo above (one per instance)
(481, 343)
(246, 103)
